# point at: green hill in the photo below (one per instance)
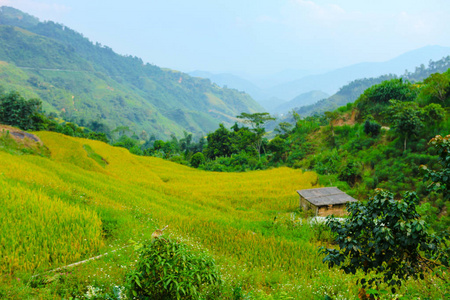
(83, 81)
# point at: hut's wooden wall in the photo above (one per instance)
(337, 210)
(306, 205)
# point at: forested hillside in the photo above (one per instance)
(84, 82)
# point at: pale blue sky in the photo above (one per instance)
(259, 36)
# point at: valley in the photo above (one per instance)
(120, 179)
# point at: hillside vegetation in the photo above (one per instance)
(377, 142)
(82, 82)
(246, 220)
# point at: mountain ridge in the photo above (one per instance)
(331, 81)
(82, 80)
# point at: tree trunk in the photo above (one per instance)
(404, 144)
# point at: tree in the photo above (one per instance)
(16, 111)
(257, 122)
(219, 143)
(391, 89)
(283, 129)
(375, 99)
(387, 240)
(121, 130)
(197, 159)
(433, 113)
(331, 116)
(438, 86)
(407, 119)
(372, 127)
(440, 179)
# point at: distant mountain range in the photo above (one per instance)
(301, 100)
(81, 81)
(350, 92)
(272, 96)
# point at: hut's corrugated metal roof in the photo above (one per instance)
(325, 196)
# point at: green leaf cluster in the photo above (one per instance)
(386, 240)
(168, 269)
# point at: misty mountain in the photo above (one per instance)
(350, 92)
(301, 100)
(330, 82)
(272, 91)
(81, 81)
(232, 81)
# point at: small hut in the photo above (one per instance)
(325, 201)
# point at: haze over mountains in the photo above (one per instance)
(276, 91)
(84, 82)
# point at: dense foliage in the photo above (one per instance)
(387, 240)
(16, 111)
(440, 179)
(168, 269)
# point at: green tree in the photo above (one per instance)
(440, 179)
(407, 119)
(121, 130)
(197, 159)
(283, 129)
(126, 142)
(18, 112)
(277, 146)
(386, 239)
(375, 99)
(437, 86)
(257, 122)
(433, 113)
(219, 143)
(371, 127)
(331, 116)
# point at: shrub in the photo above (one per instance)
(349, 173)
(168, 269)
(197, 159)
(387, 240)
(372, 127)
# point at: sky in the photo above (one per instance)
(253, 37)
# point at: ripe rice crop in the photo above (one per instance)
(62, 209)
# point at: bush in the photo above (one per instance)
(168, 269)
(197, 159)
(387, 240)
(372, 127)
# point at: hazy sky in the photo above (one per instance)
(258, 36)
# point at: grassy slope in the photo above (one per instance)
(230, 214)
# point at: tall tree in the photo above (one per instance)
(407, 119)
(219, 143)
(257, 122)
(440, 179)
(438, 86)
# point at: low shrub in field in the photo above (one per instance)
(168, 269)
(197, 159)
